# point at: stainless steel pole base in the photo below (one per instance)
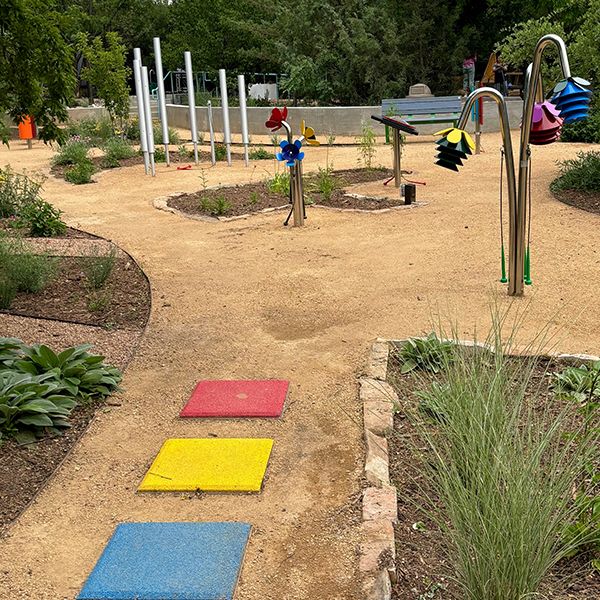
(397, 147)
(297, 195)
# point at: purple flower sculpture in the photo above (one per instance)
(290, 153)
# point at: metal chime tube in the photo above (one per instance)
(211, 133)
(225, 109)
(243, 115)
(162, 103)
(148, 115)
(139, 95)
(296, 187)
(189, 74)
(513, 264)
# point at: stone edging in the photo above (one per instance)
(377, 562)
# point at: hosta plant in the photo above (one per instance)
(428, 354)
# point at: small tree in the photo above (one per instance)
(107, 72)
(36, 66)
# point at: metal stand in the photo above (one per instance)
(397, 147)
(517, 194)
(211, 132)
(187, 57)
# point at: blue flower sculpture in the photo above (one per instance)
(572, 98)
(290, 153)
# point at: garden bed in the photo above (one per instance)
(589, 201)
(237, 200)
(422, 564)
(122, 302)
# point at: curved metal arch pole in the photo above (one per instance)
(509, 165)
(516, 282)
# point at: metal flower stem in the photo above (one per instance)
(518, 194)
(509, 165)
(296, 191)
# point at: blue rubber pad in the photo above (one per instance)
(169, 561)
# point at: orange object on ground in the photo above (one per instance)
(186, 168)
(27, 129)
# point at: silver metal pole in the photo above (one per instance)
(515, 283)
(211, 131)
(162, 103)
(148, 115)
(296, 188)
(225, 109)
(397, 147)
(137, 76)
(187, 57)
(244, 115)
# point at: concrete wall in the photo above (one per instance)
(341, 121)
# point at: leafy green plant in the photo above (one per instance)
(30, 405)
(81, 172)
(220, 152)
(42, 219)
(581, 384)
(260, 154)
(116, 149)
(326, 183)
(366, 145)
(215, 206)
(254, 198)
(8, 291)
(184, 152)
(28, 272)
(93, 132)
(98, 301)
(160, 155)
(280, 183)
(73, 152)
(581, 173)
(16, 191)
(98, 267)
(427, 354)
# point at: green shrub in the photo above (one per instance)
(39, 388)
(215, 206)
(580, 384)
(174, 137)
(80, 173)
(160, 155)
(116, 149)
(260, 154)
(98, 301)
(326, 183)
(8, 291)
(280, 184)
(73, 152)
(581, 173)
(28, 272)
(220, 152)
(366, 145)
(587, 131)
(95, 131)
(42, 219)
(98, 268)
(504, 472)
(16, 191)
(426, 354)
(184, 152)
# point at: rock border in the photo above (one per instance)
(377, 562)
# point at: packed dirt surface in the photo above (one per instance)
(252, 299)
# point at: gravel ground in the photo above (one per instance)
(251, 298)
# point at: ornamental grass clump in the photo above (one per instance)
(499, 460)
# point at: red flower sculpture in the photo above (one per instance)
(277, 116)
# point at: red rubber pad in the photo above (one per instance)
(237, 399)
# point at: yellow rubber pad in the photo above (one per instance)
(211, 465)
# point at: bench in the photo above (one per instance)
(436, 109)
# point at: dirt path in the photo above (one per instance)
(253, 299)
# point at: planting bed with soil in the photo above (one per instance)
(422, 560)
(254, 197)
(589, 201)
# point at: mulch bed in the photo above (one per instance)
(67, 297)
(589, 201)
(421, 558)
(254, 197)
(25, 469)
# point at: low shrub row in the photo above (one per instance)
(39, 388)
